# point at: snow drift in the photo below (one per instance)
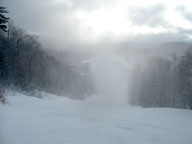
(58, 120)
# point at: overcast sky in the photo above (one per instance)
(89, 21)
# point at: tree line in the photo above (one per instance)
(163, 81)
(27, 67)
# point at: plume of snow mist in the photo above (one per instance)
(110, 76)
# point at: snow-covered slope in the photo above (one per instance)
(58, 120)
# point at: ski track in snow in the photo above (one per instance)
(58, 120)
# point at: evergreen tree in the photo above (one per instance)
(3, 19)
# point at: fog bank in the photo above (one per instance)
(110, 73)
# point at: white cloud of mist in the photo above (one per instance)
(151, 15)
(102, 25)
(90, 21)
(110, 76)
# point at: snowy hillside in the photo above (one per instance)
(58, 120)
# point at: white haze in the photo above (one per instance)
(83, 24)
(110, 74)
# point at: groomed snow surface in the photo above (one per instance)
(59, 120)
